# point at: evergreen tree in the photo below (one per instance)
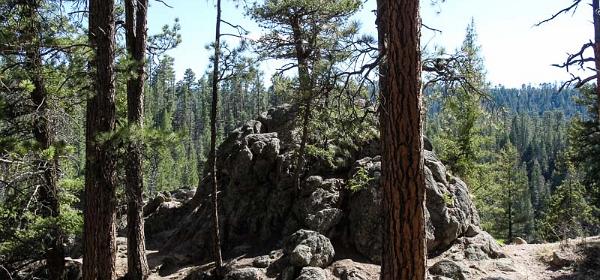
(514, 198)
(402, 180)
(585, 145)
(569, 215)
(100, 174)
(136, 34)
(39, 58)
(308, 33)
(460, 138)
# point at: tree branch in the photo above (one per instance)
(565, 10)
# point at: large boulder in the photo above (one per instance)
(260, 204)
(247, 273)
(450, 210)
(318, 206)
(449, 269)
(308, 248)
(312, 273)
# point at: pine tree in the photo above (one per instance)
(136, 14)
(403, 182)
(100, 174)
(213, 145)
(568, 214)
(515, 198)
(305, 32)
(585, 146)
(461, 137)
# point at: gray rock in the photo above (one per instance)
(198, 275)
(475, 253)
(154, 203)
(301, 256)
(247, 273)
(308, 248)
(561, 259)
(485, 243)
(438, 170)
(317, 208)
(260, 201)
(519, 241)
(73, 269)
(262, 261)
(288, 273)
(506, 266)
(183, 194)
(348, 269)
(450, 212)
(312, 273)
(448, 269)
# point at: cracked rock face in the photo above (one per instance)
(450, 211)
(260, 205)
(308, 248)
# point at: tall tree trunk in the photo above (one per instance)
(510, 209)
(213, 144)
(41, 132)
(404, 248)
(136, 16)
(596, 11)
(99, 248)
(305, 97)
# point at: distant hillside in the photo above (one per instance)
(530, 100)
(537, 100)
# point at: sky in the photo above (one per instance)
(515, 51)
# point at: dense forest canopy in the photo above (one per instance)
(530, 155)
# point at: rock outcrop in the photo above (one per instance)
(338, 202)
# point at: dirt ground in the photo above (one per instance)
(523, 262)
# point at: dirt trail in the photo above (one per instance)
(581, 259)
(523, 262)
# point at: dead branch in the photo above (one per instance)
(573, 7)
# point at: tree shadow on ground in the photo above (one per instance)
(588, 267)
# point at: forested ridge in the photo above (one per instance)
(95, 128)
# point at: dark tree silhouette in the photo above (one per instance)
(213, 143)
(136, 34)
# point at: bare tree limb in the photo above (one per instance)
(164, 3)
(573, 7)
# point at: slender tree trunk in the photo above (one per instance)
(596, 10)
(404, 248)
(41, 132)
(49, 191)
(213, 144)
(137, 264)
(99, 248)
(305, 97)
(510, 214)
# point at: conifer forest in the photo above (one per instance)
(308, 147)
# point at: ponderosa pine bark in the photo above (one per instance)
(135, 36)
(48, 193)
(218, 259)
(99, 247)
(404, 248)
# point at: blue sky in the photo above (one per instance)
(515, 52)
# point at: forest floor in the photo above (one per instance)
(577, 259)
